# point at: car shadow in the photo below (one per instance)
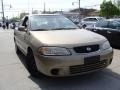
(22, 58)
(116, 47)
(101, 80)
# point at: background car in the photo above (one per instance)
(108, 28)
(14, 25)
(0, 24)
(90, 20)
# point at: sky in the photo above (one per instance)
(18, 6)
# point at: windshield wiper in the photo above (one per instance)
(53, 29)
(63, 28)
(40, 30)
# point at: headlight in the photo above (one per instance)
(105, 45)
(54, 51)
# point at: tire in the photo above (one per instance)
(31, 64)
(17, 49)
(84, 26)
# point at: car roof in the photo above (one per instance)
(44, 15)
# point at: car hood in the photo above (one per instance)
(58, 37)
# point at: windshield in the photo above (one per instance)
(101, 19)
(51, 22)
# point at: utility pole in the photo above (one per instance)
(79, 11)
(78, 8)
(3, 11)
(44, 8)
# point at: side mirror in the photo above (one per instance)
(84, 26)
(21, 28)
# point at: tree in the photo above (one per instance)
(35, 12)
(117, 3)
(108, 9)
(14, 19)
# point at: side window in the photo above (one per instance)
(114, 25)
(87, 19)
(100, 19)
(92, 19)
(102, 24)
(25, 22)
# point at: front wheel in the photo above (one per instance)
(17, 49)
(31, 65)
(84, 26)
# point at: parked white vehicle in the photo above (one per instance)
(90, 20)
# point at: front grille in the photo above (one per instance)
(88, 67)
(86, 49)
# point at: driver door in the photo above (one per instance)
(22, 35)
(114, 33)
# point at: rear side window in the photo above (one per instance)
(102, 24)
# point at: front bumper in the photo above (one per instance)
(71, 65)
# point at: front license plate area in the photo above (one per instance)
(92, 59)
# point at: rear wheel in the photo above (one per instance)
(31, 64)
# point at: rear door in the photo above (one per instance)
(101, 27)
(114, 33)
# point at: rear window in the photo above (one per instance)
(90, 19)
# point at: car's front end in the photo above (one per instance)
(74, 53)
(75, 63)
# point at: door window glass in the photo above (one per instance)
(25, 22)
(114, 25)
(102, 24)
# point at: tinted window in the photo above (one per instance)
(114, 25)
(49, 22)
(103, 24)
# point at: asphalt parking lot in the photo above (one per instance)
(14, 76)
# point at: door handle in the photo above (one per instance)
(108, 32)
